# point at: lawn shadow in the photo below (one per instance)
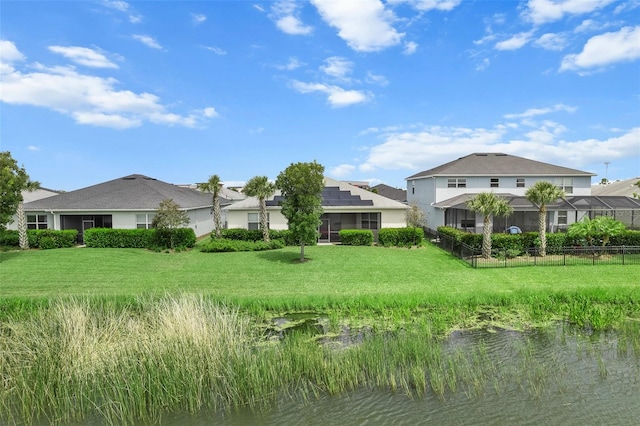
(280, 256)
(8, 255)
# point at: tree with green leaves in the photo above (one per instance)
(488, 205)
(415, 218)
(261, 188)
(543, 193)
(598, 230)
(14, 180)
(213, 186)
(301, 185)
(635, 194)
(168, 218)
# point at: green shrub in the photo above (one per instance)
(507, 243)
(472, 240)
(182, 237)
(627, 238)
(9, 238)
(241, 234)
(356, 237)
(52, 239)
(400, 237)
(556, 241)
(220, 245)
(118, 238)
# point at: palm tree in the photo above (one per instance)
(543, 193)
(488, 205)
(260, 187)
(213, 185)
(30, 186)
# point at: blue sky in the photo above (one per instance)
(373, 90)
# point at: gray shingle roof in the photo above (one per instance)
(579, 202)
(625, 187)
(133, 192)
(498, 164)
(337, 195)
(391, 192)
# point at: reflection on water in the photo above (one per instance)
(547, 377)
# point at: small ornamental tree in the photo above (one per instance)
(301, 185)
(598, 230)
(168, 218)
(543, 193)
(213, 186)
(488, 205)
(260, 187)
(415, 219)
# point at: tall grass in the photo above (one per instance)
(125, 363)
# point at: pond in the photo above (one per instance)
(554, 376)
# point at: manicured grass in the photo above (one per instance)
(334, 276)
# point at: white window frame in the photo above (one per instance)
(562, 217)
(37, 221)
(456, 182)
(144, 220)
(367, 219)
(566, 184)
(520, 183)
(253, 222)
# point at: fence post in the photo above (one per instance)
(564, 256)
(623, 254)
(505, 258)
(593, 255)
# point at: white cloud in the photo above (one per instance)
(9, 54)
(285, 13)
(380, 80)
(533, 112)
(365, 25)
(292, 64)
(123, 6)
(33, 148)
(90, 99)
(337, 67)
(258, 7)
(336, 96)
(198, 18)
(543, 11)
(216, 50)
(515, 42)
(605, 49)
(551, 41)
(415, 151)
(410, 48)
(427, 5)
(147, 40)
(483, 65)
(342, 170)
(84, 56)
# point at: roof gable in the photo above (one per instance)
(133, 192)
(498, 164)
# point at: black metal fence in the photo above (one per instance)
(564, 256)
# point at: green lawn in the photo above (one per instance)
(335, 275)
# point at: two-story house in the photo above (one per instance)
(442, 193)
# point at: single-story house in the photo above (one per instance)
(443, 191)
(128, 202)
(28, 196)
(345, 207)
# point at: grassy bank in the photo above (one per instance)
(114, 365)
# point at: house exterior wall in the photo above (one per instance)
(389, 218)
(423, 192)
(201, 220)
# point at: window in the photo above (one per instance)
(369, 221)
(37, 221)
(457, 183)
(566, 184)
(144, 220)
(562, 217)
(253, 220)
(494, 183)
(519, 182)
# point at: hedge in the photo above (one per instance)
(356, 237)
(40, 238)
(220, 245)
(118, 238)
(138, 238)
(241, 234)
(400, 237)
(182, 237)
